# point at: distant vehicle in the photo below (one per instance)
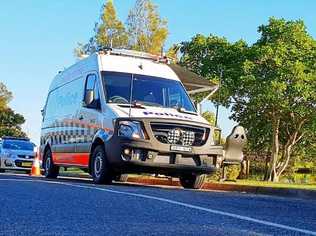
(118, 112)
(16, 154)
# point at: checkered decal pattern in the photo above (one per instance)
(174, 136)
(177, 136)
(187, 138)
(68, 132)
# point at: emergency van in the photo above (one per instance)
(119, 111)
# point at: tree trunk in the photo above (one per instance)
(272, 172)
(286, 156)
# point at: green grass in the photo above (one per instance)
(271, 184)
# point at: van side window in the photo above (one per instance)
(92, 84)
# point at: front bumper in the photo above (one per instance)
(15, 163)
(152, 156)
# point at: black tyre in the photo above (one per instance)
(100, 169)
(50, 170)
(192, 181)
(121, 178)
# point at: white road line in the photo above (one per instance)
(232, 215)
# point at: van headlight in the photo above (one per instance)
(131, 129)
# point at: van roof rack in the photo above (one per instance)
(136, 54)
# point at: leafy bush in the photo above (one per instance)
(232, 172)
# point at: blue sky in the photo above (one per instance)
(38, 37)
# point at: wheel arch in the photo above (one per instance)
(99, 139)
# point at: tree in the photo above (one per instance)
(10, 123)
(215, 59)
(109, 32)
(174, 52)
(270, 86)
(279, 88)
(147, 31)
(5, 96)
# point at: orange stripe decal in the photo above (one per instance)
(76, 159)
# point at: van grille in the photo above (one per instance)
(161, 131)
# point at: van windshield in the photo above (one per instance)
(146, 90)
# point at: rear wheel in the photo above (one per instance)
(50, 170)
(100, 171)
(192, 181)
(121, 178)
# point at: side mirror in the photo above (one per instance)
(89, 98)
(90, 101)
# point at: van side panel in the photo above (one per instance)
(60, 124)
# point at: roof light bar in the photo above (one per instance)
(136, 54)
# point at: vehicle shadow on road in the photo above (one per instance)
(80, 180)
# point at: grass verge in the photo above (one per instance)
(269, 184)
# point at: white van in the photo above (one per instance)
(118, 112)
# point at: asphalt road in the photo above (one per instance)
(36, 206)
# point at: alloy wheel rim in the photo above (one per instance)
(47, 165)
(98, 164)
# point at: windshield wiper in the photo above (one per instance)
(183, 110)
(134, 104)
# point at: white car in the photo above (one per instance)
(16, 154)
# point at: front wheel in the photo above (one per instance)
(101, 173)
(50, 170)
(192, 181)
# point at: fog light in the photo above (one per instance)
(127, 154)
(127, 151)
(8, 163)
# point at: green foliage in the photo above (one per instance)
(5, 96)
(210, 117)
(279, 88)
(216, 176)
(109, 32)
(270, 86)
(10, 122)
(232, 172)
(174, 53)
(146, 31)
(216, 59)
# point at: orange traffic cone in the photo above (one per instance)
(36, 169)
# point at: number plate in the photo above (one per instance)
(26, 164)
(180, 148)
